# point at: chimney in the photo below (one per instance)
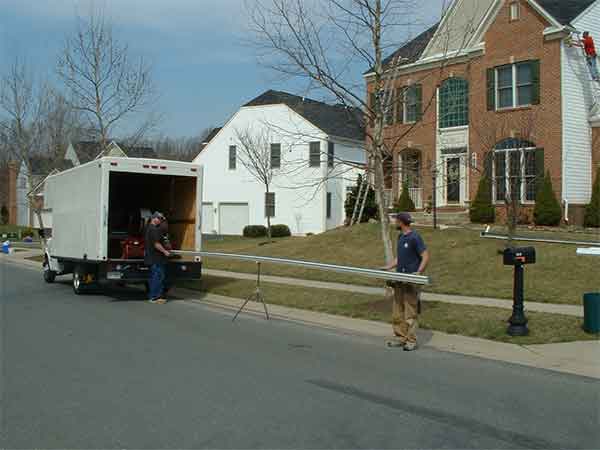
(12, 193)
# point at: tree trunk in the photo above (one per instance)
(268, 218)
(383, 215)
(364, 201)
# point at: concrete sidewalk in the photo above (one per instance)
(567, 310)
(578, 358)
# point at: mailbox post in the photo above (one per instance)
(518, 257)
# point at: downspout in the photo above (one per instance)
(566, 211)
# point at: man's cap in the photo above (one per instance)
(158, 215)
(404, 218)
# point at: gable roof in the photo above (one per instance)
(412, 50)
(209, 137)
(335, 120)
(42, 166)
(564, 11)
(89, 150)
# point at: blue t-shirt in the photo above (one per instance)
(410, 249)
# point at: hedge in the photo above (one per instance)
(280, 231)
(255, 231)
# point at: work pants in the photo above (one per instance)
(405, 312)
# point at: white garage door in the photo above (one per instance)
(208, 218)
(233, 217)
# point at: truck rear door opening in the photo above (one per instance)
(99, 212)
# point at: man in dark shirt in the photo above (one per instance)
(156, 256)
(413, 258)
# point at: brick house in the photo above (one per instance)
(495, 88)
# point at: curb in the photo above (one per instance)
(575, 358)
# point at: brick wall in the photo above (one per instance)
(506, 42)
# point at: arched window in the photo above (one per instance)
(517, 165)
(454, 103)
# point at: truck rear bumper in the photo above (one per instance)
(139, 273)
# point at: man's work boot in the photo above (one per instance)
(392, 343)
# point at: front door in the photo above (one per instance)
(453, 180)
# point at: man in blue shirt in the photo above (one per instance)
(413, 258)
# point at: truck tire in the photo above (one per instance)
(79, 285)
(49, 275)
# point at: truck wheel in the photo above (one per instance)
(79, 286)
(49, 275)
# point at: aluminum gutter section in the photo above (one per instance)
(502, 237)
(369, 273)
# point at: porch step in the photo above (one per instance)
(455, 217)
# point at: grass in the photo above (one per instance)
(462, 263)
(474, 321)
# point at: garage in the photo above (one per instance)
(233, 217)
(208, 218)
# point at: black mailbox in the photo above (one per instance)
(519, 256)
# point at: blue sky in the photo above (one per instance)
(201, 66)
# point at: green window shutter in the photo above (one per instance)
(419, 97)
(400, 105)
(491, 89)
(535, 81)
(539, 167)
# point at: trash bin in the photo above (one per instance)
(6, 247)
(591, 312)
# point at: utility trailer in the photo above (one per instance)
(98, 207)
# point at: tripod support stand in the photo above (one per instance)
(257, 296)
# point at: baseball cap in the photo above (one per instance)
(405, 218)
(158, 215)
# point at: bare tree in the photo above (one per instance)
(23, 104)
(322, 41)
(254, 152)
(105, 82)
(510, 172)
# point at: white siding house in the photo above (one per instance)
(578, 101)
(309, 198)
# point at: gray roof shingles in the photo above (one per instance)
(335, 120)
(564, 11)
(88, 151)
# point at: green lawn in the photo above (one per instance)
(462, 263)
(474, 321)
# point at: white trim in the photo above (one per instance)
(492, 12)
(545, 14)
(447, 14)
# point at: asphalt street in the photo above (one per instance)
(114, 371)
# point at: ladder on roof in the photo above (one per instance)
(575, 40)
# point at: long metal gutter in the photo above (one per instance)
(369, 273)
(502, 237)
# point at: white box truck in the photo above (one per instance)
(100, 208)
